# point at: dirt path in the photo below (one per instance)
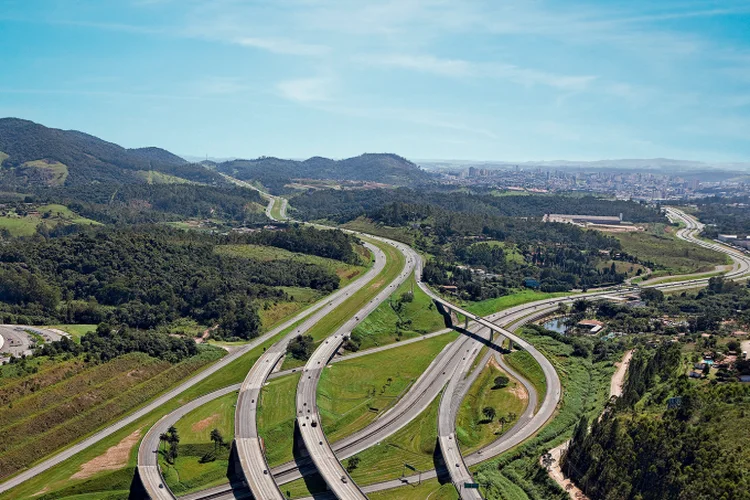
(615, 389)
(618, 379)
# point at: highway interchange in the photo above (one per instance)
(452, 366)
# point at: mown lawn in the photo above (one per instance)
(351, 394)
(188, 473)
(397, 319)
(663, 250)
(525, 364)
(473, 430)
(276, 414)
(489, 306)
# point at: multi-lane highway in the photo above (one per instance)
(435, 377)
(148, 461)
(249, 444)
(308, 417)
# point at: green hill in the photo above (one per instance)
(275, 173)
(42, 156)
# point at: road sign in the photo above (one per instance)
(471, 486)
(410, 467)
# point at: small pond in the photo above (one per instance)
(556, 325)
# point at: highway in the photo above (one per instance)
(148, 461)
(308, 417)
(249, 444)
(740, 270)
(526, 426)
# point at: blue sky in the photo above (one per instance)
(457, 79)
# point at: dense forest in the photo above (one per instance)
(401, 206)
(725, 215)
(667, 436)
(146, 276)
(147, 203)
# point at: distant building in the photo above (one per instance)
(584, 219)
(593, 325)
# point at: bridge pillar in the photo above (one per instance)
(466, 322)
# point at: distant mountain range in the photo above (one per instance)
(34, 155)
(275, 173)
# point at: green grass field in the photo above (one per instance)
(489, 306)
(75, 331)
(51, 215)
(346, 272)
(65, 410)
(674, 256)
(351, 394)
(430, 489)
(523, 363)
(276, 418)
(517, 474)
(473, 431)
(276, 209)
(273, 313)
(391, 321)
(53, 173)
(414, 444)
(188, 474)
(511, 251)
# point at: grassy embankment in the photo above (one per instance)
(395, 262)
(49, 412)
(414, 444)
(115, 482)
(51, 215)
(397, 319)
(188, 473)
(473, 429)
(669, 255)
(276, 208)
(58, 479)
(516, 474)
(351, 394)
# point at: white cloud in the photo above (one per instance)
(306, 89)
(462, 68)
(283, 46)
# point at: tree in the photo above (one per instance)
(217, 438)
(547, 460)
(301, 347)
(173, 438)
(733, 345)
(163, 438)
(352, 464)
(501, 381)
(503, 420)
(489, 412)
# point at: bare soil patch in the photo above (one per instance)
(114, 458)
(204, 424)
